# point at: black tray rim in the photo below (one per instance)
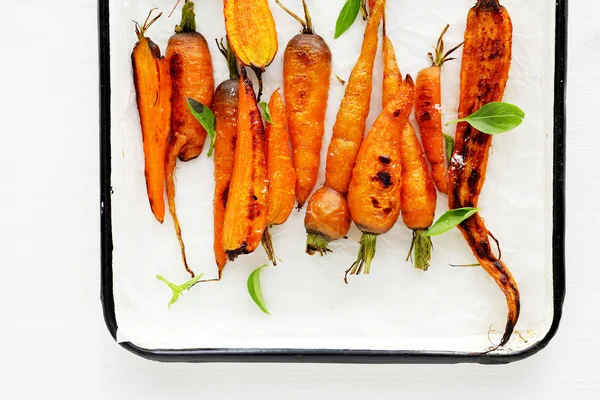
(285, 355)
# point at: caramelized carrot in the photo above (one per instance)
(348, 132)
(280, 172)
(428, 102)
(192, 76)
(246, 211)
(484, 73)
(374, 194)
(153, 94)
(306, 82)
(225, 108)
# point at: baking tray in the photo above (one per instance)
(343, 354)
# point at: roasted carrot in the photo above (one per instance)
(428, 103)
(484, 72)
(306, 82)
(252, 34)
(323, 223)
(225, 108)
(375, 189)
(280, 171)
(153, 94)
(192, 76)
(246, 211)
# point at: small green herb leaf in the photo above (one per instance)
(347, 17)
(494, 118)
(255, 290)
(449, 140)
(265, 109)
(178, 289)
(450, 220)
(206, 118)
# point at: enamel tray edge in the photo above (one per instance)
(330, 355)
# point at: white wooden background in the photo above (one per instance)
(52, 336)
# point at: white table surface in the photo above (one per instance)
(52, 335)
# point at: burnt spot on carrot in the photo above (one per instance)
(384, 178)
(385, 160)
(375, 202)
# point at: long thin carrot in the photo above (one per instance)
(323, 223)
(306, 82)
(428, 103)
(246, 211)
(485, 65)
(225, 108)
(375, 189)
(192, 76)
(280, 171)
(153, 95)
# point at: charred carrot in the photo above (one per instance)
(306, 82)
(192, 76)
(225, 108)
(484, 72)
(252, 34)
(280, 172)
(428, 103)
(348, 132)
(246, 211)
(153, 95)
(375, 189)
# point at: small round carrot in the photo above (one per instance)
(153, 95)
(419, 197)
(192, 76)
(306, 82)
(374, 195)
(428, 101)
(280, 171)
(348, 132)
(225, 108)
(246, 210)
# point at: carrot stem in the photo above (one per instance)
(363, 10)
(368, 245)
(267, 243)
(420, 250)
(141, 31)
(232, 63)
(441, 57)
(317, 243)
(188, 18)
(259, 73)
(307, 27)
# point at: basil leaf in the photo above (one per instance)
(178, 289)
(449, 140)
(347, 17)
(265, 108)
(450, 220)
(494, 118)
(255, 290)
(206, 118)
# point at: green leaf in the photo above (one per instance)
(347, 17)
(265, 108)
(206, 118)
(450, 220)
(255, 290)
(494, 118)
(178, 289)
(449, 146)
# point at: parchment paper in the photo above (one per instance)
(396, 307)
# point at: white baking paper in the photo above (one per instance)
(394, 308)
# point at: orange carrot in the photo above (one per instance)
(280, 172)
(153, 94)
(246, 210)
(428, 102)
(225, 108)
(306, 77)
(192, 76)
(348, 132)
(484, 72)
(375, 189)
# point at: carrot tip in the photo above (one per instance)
(420, 250)
(368, 245)
(317, 243)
